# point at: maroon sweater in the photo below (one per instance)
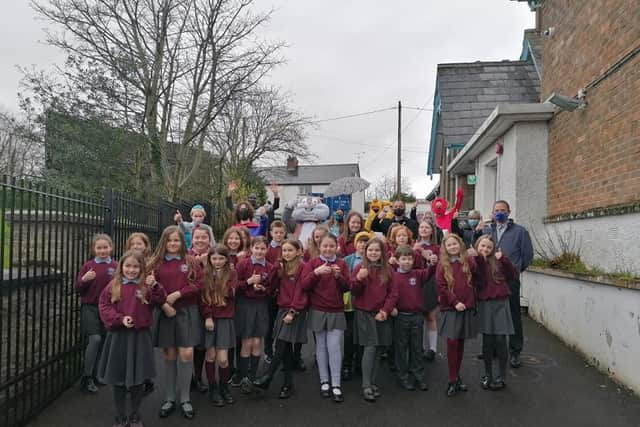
(90, 291)
(174, 274)
(245, 269)
(410, 285)
(489, 288)
(371, 294)
(325, 291)
(130, 305)
(462, 291)
(274, 254)
(290, 293)
(228, 311)
(346, 247)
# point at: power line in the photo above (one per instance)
(349, 116)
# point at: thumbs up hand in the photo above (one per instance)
(177, 217)
(150, 280)
(362, 274)
(89, 275)
(498, 254)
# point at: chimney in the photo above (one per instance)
(292, 165)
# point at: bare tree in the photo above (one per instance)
(21, 151)
(259, 127)
(162, 68)
(385, 188)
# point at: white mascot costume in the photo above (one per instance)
(308, 212)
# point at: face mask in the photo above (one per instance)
(500, 216)
(243, 213)
(398, 212)
(472, 222)
(338, 217)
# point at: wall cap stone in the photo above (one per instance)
(599, 280)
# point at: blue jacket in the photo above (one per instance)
(515, 244)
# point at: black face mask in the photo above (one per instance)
(398, 212)
(243, 214)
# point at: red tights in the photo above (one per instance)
(455, 350)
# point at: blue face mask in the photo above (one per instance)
(338, 217)
(472, 222)
(500, 216)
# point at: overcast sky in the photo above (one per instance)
(344, 57)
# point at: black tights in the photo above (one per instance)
(284, 354)
(495, 344)
(120, 398)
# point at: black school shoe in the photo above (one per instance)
(430, 356)
(148, 388)
(325, 390)
(485, 381)
(497, 384)
(406, 384)
(226, 393)
(367, 394)
(187, 410)
(338, 397)
(285, 392)
(451, 389)
(88, 385)
(460, 386)
(515, 361)
(346, 375)
(422, 385)
(167, 408)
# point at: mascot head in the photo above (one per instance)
(439, 206)
(375, 205)
(310, 209)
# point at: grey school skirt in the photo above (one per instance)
(320, 321)
(182, 330)
(459, 324)
(252, 317)
(367, 331)
(127, 358)
(495, 317)
(294, 332)
(90, 322)
(430, 293)
(223, 335)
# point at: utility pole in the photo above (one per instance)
(398, 179)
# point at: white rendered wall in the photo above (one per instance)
(602, 322)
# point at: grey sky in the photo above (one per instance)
(344, 57)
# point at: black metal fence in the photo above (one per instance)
(45, 237)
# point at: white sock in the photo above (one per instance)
(433, 340)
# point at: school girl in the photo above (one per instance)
(325, 279)
(140, 242)
(427, 246)
(354, 225)
(93, 277)
(313, 244)
(398, 235)
(217, 307)
(255, 275)
(375, 297)
(126, 308)
(494, 311)
(456, 296)
(234, 240)
(177, 328)
(202, 241)
(290, 326)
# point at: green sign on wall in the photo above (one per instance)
(472, 179)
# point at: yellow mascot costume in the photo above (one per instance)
(374, 208)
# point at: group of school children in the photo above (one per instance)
(212, 306)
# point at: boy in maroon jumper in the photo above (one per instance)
(93, 277)
(255, 276)
(408, 328)
(274, 253)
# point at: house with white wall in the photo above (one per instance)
(297, 180)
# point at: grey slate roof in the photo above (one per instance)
(309, 174)
(470, 91)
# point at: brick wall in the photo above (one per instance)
(594, 154)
